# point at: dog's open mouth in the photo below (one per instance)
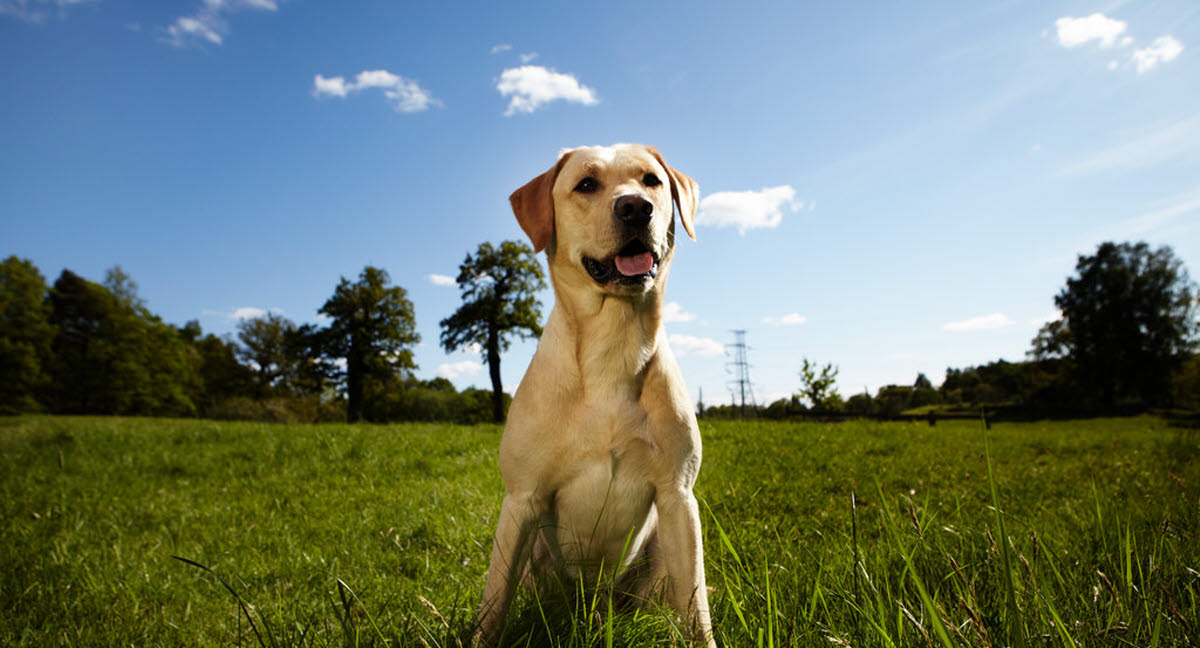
(631, 264)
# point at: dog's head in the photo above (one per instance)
(606, 213)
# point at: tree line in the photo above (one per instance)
(82, 347)
(1125, 342)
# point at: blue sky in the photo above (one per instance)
(891, 187)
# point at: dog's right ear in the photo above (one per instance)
(533, 205)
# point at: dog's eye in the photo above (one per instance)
(651, 180)
(588, 185)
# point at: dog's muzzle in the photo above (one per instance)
(631, 265)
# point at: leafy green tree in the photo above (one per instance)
(373, 329)
(113, 356)
(265, 345)
(216, 362)
(860, 405)
(892, 400)
(25, 337)
(816, 385)
(1129, 322)
(499, 288)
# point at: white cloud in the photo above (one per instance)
(36, 10)
(533, 86)
(452, 370)
(405, 95)
(791, 319)
(697, 346)
(186, 27)
(247, 312)
(1073, 32)
(502, 47)
(981, 323)
(208, 23)
(526, 58)
(1163, 50)
(673, 312)
(441, 280)
(747, 209)
(1046, 319)
(334, 87)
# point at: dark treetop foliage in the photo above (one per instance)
(113, 356)
(499, 290)
(373, 328)
(265, 346)
(25, 336)
(1128, 324)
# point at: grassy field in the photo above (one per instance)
(379, 535)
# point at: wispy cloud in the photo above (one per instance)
(208, 23)
(673, 312)
(1074, 32)
(981, 323)
(452, 370)
(791, 319)
(527, 58)
(1163, 50)
(532, 86)
(247, 312)
(405, 95)
(703, 347)
(36, 10)
(1145, 147)
(1171, 219)
(500, 48)
(1046, 319)
(747, 209)
(441, 280)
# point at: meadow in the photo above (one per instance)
(1075, 533)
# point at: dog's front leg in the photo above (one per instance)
(683, 554)
(510, 552)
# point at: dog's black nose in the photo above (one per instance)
(633, 210)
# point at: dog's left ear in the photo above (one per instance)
(684, 192)
(533, 205)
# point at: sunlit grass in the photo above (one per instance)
(855, 534)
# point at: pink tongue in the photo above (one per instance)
(638, 264)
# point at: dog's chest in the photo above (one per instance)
(605, 499)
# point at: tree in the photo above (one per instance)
(113, 356)
(1128, 323)
(25, 337)
(499, 291)
(373, 329)
(923, 392)
(265, 347)
(816, 384)
(215, 360)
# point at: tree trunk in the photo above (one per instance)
(493, 349)
(354, 383)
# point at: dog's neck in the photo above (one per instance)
(614, 338)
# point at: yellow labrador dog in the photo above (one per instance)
(601, 448)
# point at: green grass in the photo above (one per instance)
(1082, 533)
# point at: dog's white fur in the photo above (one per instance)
(601, 448)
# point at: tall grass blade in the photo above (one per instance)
(371, 620)
(236, 596)
(1015, 622)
